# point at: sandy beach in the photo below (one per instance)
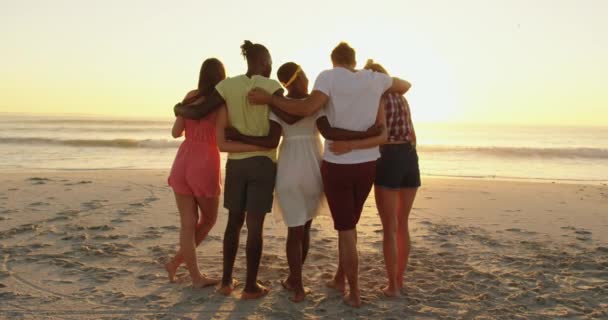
(91, 245)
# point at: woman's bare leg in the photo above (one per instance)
(208, 208)
(295, 238)
(406, 201)
(387, 201)
(188, 210)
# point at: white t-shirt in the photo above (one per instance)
(354, 98)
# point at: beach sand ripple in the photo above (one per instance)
(97, 252)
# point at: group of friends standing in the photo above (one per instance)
(369, 140)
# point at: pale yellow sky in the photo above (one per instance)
(512, 61)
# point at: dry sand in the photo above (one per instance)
(90, 245)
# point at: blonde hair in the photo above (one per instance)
(373, 66)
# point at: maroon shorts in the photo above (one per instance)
(346, 187)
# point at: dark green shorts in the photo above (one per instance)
(249, 184)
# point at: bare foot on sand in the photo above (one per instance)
(353, 300)
(259, 292)
(227, 289)
(171, 268)
(389, 292)
(300, 295)
(400, 282)
(204, 282)
(336, 285)
(287, 285)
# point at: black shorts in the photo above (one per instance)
(249, 184)
(397, 167)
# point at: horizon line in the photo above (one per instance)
(168, 117)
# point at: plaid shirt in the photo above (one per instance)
(398, 119)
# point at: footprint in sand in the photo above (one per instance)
(92, 205)
(104, 227)
(124, 212)
(69, 213)
(137, 204)
(78, 183)
(602, 249)
(151, 233)
(214, 238)
(15, 189)
(38, 204)
(584, 232)
(149, 277)
(583, 235)
(110, 237)
(58, 218)
(82, 236)
(151, 199)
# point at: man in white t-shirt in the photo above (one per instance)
(351, 99)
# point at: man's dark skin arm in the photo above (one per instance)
(270, 141)
(200, 109)
(336, 134)
(287, 117)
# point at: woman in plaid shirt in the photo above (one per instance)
(397, 180)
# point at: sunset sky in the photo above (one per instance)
(513, 61)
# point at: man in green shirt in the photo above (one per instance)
(251, 168)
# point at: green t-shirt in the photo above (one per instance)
(246, 118)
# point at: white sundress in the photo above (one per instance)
(299, 187)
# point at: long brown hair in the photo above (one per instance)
(212, 72)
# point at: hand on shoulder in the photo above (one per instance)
(258, 96)
(193, 98)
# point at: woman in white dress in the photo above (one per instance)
(299, 187)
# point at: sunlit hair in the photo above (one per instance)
(253, 52)
(343, 54)
(373, 66)
(288, 72)
(212, 72)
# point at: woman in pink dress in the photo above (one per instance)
(195, 177)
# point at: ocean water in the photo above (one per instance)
(577, 154)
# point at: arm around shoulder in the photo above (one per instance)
(178, 127)
(298, 107)
(201, 108)
(399, 86)
(341, 147)
(227, 145)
